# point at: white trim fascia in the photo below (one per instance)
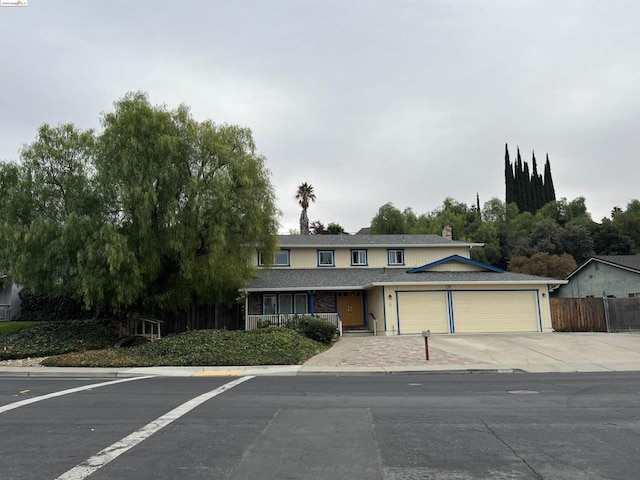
(301, 289)
(402, 284)
(383, 245)
(617, 265)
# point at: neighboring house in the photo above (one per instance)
(9, 300)
(604, 276)
(395, 284)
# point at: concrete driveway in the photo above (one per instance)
(536, 352)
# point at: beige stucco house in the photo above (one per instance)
(394, 285)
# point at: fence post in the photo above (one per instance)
(605, 303)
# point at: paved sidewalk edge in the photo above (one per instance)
(299, 370)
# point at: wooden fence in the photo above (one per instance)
(203, 317)
(578, 315)
(623, 314)
(595, 314)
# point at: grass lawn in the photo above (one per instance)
(10, 327)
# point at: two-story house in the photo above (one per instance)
(395, 284)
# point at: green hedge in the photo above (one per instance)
(54, 338)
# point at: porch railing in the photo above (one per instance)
(142, 327)
(284, 318)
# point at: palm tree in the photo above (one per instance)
(304, 195)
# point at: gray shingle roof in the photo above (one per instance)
(359, 278)
(628, 261)
(311, 241)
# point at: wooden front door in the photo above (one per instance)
(350, 308)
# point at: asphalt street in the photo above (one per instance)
(391, 427)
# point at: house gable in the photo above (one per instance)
(615, 275)
(455, 263)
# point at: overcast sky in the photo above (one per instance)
(371, 102)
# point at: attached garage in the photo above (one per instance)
(477, 311)
(418, 311)
(495, 311)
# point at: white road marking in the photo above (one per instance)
(22, 403)
(100, 459)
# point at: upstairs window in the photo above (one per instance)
(358, 257)
(280, 259)
(396, 257)
(325, 258)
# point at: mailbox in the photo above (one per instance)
(426, 334)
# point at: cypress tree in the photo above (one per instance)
(536, 188)
(530, 190)
(527, 191)
(508, 176)
(548, 182)
(520, 184)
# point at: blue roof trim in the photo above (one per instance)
(455, 258)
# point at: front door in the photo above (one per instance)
(350, 308)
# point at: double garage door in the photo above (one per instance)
(468, 312)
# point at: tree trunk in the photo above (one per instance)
(304, 223)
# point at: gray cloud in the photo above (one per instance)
(401, 101)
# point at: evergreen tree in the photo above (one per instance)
(536, 185)
(548, 182)
(521, 183)
(508, 176)
(528, 205)
(529, 190)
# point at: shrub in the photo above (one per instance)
(45, 307)
(316, 329)
(271, 346)
(54, 338)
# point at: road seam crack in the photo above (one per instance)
(495, 434)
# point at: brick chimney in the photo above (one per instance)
(446, 233)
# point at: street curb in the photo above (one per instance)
(50, 373)
(385, 371)
(239, 372)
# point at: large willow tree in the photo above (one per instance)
(157, 211)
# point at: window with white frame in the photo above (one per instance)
(396, 257)
(300, 303)
(358, 257)
(286, 305)
(280, 259)
(269, 304)
(325, 258)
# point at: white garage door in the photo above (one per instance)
(418, 311)
(489, 312)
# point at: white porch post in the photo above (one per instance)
(246, 309)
